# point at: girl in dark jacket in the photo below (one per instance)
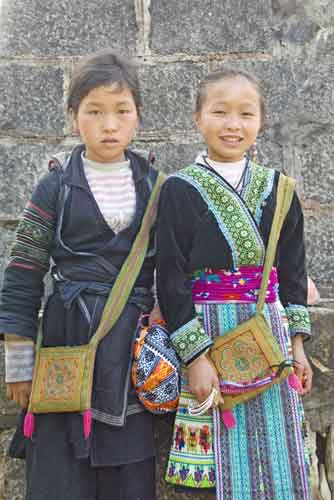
(84, 218)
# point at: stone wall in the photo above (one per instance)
(289, 44)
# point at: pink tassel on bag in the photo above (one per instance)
(295, 383)
(87, 422)
(29, 425)
(228, 419)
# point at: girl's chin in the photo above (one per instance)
(227, 156)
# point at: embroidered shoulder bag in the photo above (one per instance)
(254, 337)
(63, 376)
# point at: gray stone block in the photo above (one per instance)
(310, 114)
(298, 30)
(319, 232)
(31, 100)
(11, 472)
(270, 153)
(170, 156)
(169, 94)
(20, 168)
(315, 90)
(66, 28)
(173, 156)
(317, 168)
(299, 22)
(322, 47)
(202, 26)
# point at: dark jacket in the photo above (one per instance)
(190, 239)
(86, 257)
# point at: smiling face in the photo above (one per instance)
(107, 119)
(229, 118)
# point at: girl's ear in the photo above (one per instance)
(139, 116)
(261, 130)
(74, 122)
(196, 118)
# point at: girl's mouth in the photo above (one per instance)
(231, 139)
(110, 141)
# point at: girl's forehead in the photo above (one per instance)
(234, 89)
(117, 92)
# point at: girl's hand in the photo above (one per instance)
(313, 296)
(202, 377)
(19, 392)
(303, 369)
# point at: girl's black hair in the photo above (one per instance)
(104, 67)
(229, 74)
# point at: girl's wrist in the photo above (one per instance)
(199, 358)
(298, 339)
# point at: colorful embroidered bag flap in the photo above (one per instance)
(63, 376)
(248, 357)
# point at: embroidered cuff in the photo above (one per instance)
(19, 361)
(190, 340)
(299, 320)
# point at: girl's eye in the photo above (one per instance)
(124, 111)
(247, 114)
(219, 112)
(94, 112)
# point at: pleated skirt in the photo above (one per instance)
(264, 457)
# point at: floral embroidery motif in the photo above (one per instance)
(190, 339)
(204, 438)
(179, 437)
(231, 214)
(242, 358)
(258, 188)
(60, 378)
(192, 438)
(299, 319)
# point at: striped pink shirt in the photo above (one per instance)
(114, 190)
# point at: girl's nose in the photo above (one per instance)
(110, 122)
(232, 122)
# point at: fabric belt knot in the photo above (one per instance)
(70, 290)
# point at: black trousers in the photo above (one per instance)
(127, 482)
(134, 481)
(54, 473)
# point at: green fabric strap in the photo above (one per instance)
(285, 190)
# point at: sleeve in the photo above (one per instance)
(19, 358)
(177, 218)
(292, 273)
(23, 285)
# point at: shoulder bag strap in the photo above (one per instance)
(285, 190)
(131, 267)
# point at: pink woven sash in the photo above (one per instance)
(240, 285)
